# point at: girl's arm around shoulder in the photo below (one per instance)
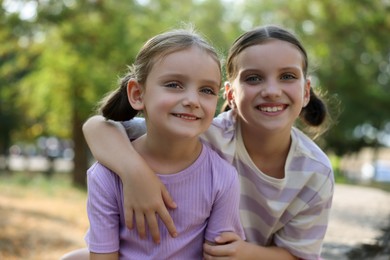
(105, 138)
(144, 194)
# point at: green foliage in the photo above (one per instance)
(55, 65)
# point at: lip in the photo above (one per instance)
(272, 108)
(185, 116)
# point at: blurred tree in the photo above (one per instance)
(58, 58)
(85, 45)
(15, 63)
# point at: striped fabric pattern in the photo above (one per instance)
(292, 212)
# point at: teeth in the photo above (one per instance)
(186, 117)
(271, 109)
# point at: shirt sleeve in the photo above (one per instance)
(103, 210)
(135, 127)
(303, 235)
(225, 215)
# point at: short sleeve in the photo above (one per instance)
(225, 215)
(103, 210)
(135, 127)
(304, 233)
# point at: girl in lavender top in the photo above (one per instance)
(174, 81)
(286, 179)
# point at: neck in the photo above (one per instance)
(167, 156)
(268, 150)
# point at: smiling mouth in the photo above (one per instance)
(186, 116)
(271, 109)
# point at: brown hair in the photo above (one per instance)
(315, 113)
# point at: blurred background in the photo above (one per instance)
(59, 57)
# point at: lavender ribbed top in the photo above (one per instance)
(207, 195)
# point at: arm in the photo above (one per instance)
(110, 256)
(315, 217)
(143, 192)
(231, 245)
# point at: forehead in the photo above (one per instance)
(190, 61)
(272, 52)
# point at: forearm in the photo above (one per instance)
(269, 253)
(110, 145)
(144, 194)
(110, 256)
(230, 245)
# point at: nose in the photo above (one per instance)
(271, 90)
(191, 98)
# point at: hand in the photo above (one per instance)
(228, 246)
(144, 197)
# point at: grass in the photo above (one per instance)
(40, 218)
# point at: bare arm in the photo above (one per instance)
(144, 194)
(231, 246)
(110, 256)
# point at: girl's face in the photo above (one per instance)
(270, 88)
(180, 94)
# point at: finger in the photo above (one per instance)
(129, 218)
(213, 250)
(226, 237)
(140, 223)
(168, 222)
(167, 198)
(151, 219)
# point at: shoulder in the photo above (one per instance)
(312, 163)
(221, 133)
(225, 121)
(306, 147)
(135, 127)
(219, 166)
(215, 158)
(100, 175)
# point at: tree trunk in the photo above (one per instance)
(80, 152)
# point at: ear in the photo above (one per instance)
(135, 94)
(228, 94)
(306, 92)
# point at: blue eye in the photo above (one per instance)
(208, 91)
(288, 76)
(172, 85)
(253, 78)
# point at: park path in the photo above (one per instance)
(357, 216)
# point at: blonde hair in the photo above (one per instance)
(115, 105)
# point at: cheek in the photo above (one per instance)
(210, 106)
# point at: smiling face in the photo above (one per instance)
(270, 88)
(180, 94)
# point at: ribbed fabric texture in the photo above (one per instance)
(207, 194)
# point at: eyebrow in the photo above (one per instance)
(185, 77)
